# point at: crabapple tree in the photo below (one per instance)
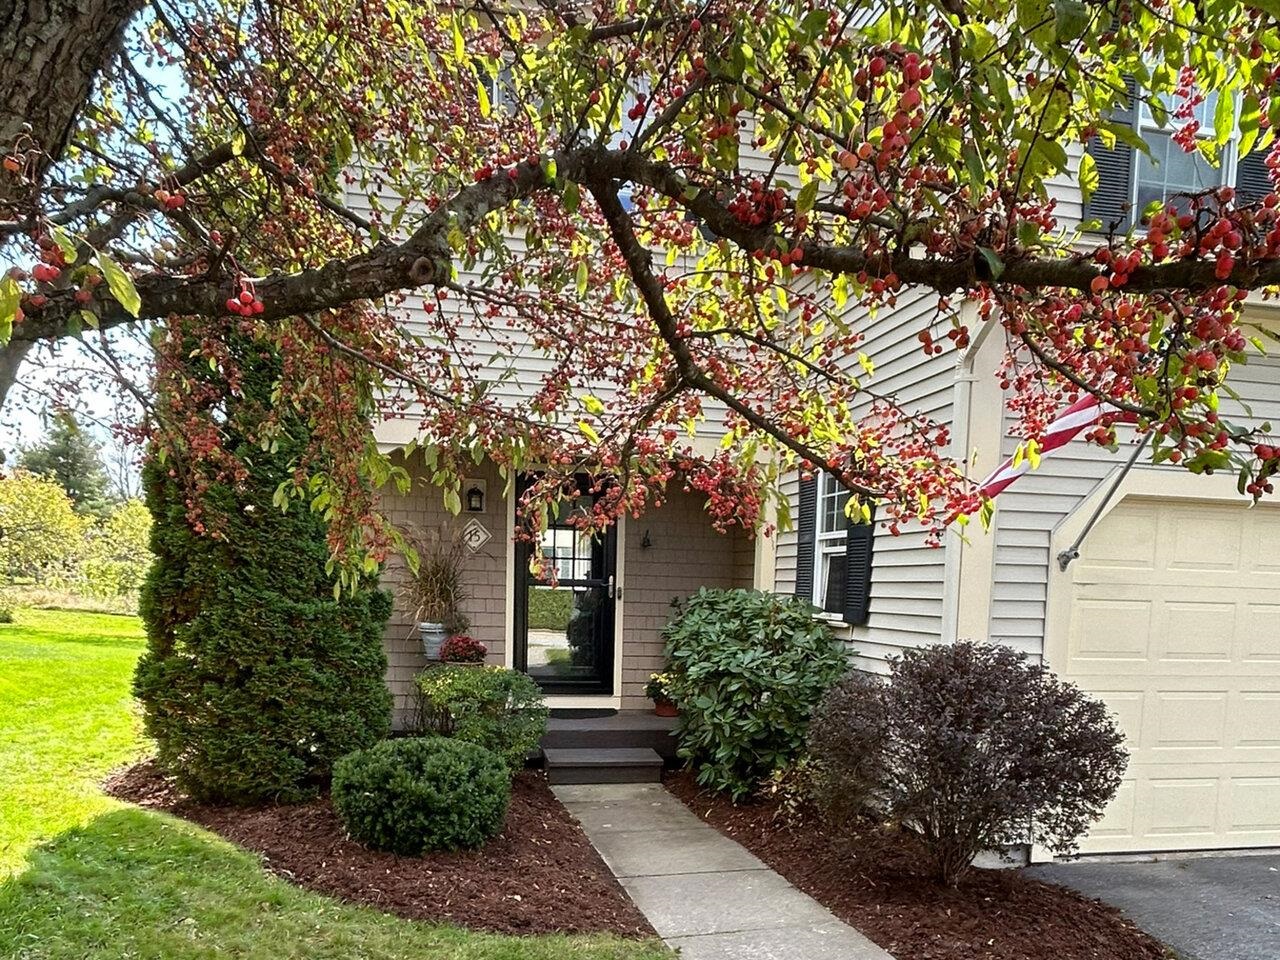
(689, 210)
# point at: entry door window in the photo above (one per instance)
(564, 610)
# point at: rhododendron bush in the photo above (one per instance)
(689, 211)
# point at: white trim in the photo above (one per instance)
(977, 422)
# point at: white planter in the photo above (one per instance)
(433, 635)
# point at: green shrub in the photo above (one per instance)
(423, 793)
(746, 668)
(549, 608)
(495, 708)
(255, 679)
(970, 746)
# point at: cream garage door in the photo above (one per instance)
(1175, 623)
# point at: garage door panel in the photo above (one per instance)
(1175, 624)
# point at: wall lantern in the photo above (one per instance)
(475, 496)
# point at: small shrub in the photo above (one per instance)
(747, 669)
(498, 709)
(460, 648)
(972, 747)
(414, 795)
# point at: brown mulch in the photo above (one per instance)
(540, 875)
(876, 880)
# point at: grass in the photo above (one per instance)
(82, 875)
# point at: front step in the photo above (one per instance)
(620, 729)
(609, 765)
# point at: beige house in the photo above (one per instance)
(1169, 613)
(593, 639)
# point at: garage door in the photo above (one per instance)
(1175, 623)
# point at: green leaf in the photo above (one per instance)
(10, 297)
(452, 502)
(808, 197)
(486, 108)
(120, 284)
(1250, 123)
(1089, 178)
(583, 277)
(238, 143)
(1224, 117)
(572, 197)
(65, 244)
(1070, 19)
(588, 431)
(593, 404)
(993, 261)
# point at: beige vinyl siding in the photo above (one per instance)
(906, 573)
(1029, 510)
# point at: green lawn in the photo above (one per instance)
(82, 875)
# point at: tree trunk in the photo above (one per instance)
(51, 52)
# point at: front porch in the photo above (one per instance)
(602, 622)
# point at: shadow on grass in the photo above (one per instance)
(132, 883)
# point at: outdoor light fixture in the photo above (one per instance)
(475, 498)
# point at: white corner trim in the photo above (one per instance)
(977, 421)
(595, 701)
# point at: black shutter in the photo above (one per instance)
(807, 532)
(857, 571)
(1110, 203)
(1253, 182)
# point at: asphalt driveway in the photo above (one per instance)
(1211, 908)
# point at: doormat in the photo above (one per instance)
(567, 713)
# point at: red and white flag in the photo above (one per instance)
(1084, 413)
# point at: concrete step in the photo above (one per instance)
(625, 728)
(602, 765)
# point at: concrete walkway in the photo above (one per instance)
(704, 894)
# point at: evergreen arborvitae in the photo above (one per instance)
(255, 679)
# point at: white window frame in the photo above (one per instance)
(1145, 123)
(828, 541)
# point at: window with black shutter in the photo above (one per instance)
(1113, 197)
(833, 566)
(1130, 180)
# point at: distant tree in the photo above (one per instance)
(73, 458)
(41, 535)
(118, 551)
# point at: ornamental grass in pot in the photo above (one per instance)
(435, 590)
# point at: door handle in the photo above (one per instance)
(612, 587)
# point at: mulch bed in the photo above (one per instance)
(540, 875)
(876, 880)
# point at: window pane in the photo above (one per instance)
(834, 582)
(1203, 112)
(831, 516)
(1170, 171)
(563, 631)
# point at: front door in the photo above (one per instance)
(564, 623)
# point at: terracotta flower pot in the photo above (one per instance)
(665, 708)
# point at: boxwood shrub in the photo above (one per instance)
(423, 793)
(747, 668)
(495, 708)
(970, 746)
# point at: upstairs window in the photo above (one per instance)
(1129, 180)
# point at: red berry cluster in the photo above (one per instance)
(756, 206)
(246, 303)
(170, 200)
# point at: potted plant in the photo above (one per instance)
(435, 590)
(460, 648)
(658, 689)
